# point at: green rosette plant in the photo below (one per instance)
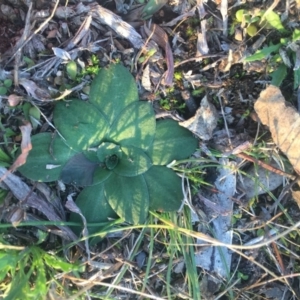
(112, 146)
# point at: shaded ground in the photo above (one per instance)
(208, 60)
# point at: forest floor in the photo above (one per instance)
(229, 71)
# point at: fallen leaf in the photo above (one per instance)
(146, 83)
(259, 181)
(159, 36)
(30, 199)
(70, 205)
(52, 34)
(64, 12)
(204, 121)
(202, 46)
(33, 90)
(14, 100)
(61, 53)
(105, 16)
(283, 121)
(296, 197)
(25, 148)
(218, 208)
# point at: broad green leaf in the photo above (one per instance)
(3, 90)
(91, 154)
(128, 196)
(171, 142)
(26, 107)
(78, 170)
(296, 71)
(94, 207)
(35, 115)
(112, 90)
(164, 186)
(82, 171)
(7, 83)
(106, 150)
(263, 53)
(254, 19)
(251, 30)
(279, 75)
(152, 7)
(296, 78)
(30, 63)
(71, 68)
(135, 126)
(80, 123)
(273, 19)
(100, 175)
(47, 158)
(240, 15)
(134, 162)
(296, 35)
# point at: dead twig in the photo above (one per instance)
(266, 166)
(19, 44)
(35, 32)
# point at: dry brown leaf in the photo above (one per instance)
(204, 122)
(202, 46)
(29, 198)
(259, 181)
(14, 100)
(159, 36)
(33, 90)
(283, 122)
(52, 33)
(105, 16)
(296, 197)
(25, 148)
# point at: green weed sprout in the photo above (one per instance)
(112, 146)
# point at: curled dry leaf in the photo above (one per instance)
(33, 90)
(71, 205)
(105, 16)
(259, 181)
(52, 34)
(283, 122)
(14, 100)
(24, 194)
(296, 197)
(159, 36)
(204, 122)
(25, 148)
(202, 46)
(218, 208)
(64, 12)
(146, 83)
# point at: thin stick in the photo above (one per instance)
(35, 32)
(21, 41)
(266, 166)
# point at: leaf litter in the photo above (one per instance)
(283, 122)
(207, 61)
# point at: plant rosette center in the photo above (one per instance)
(112, 146)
